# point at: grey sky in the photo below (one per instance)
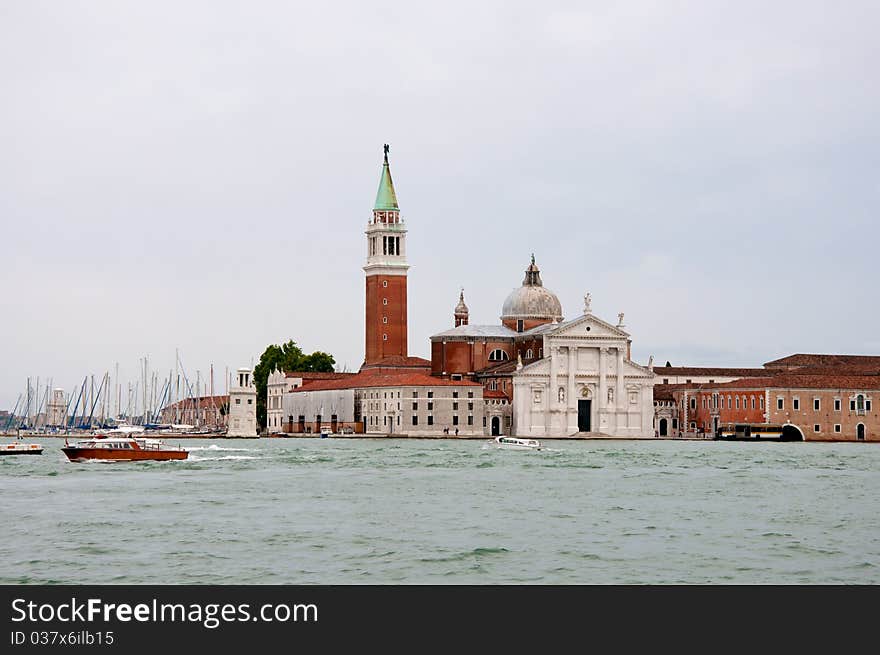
(199, 175)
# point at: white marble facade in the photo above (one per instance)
(585, 383)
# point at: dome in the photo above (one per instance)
(532, 300)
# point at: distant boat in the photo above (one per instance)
(514, 443)
(21, 449)
(124, 449)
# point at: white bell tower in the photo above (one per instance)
(242, 415)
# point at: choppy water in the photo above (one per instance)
(437, 511)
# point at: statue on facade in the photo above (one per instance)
(561, 395)
(587, 300)
(620, 318)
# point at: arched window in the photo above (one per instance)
(529, 353)
(860, 404)
(493, 385)
(737, 402)
(498, 355)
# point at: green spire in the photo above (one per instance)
(386, 199)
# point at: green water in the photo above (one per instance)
(440, 511)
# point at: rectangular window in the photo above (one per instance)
(455, 419)
(780, 403)
(430, 394)
(795, 403)
(415, 420)
(484, 421)
(455, 394)
(471, 407)
(852, 405)
(816, 405)
(430, 420)
(665, 380)
(415, 394)
(868, 405)
(454, 406)
(238, 401)
(430, 406)
(837, 427)
(837, 404)
(470, 420)
(470, 394)
(816, 427)
(415, 407)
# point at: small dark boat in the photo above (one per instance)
(21, 449)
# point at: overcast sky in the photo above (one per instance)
(198, 175)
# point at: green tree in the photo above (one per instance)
(286, 357)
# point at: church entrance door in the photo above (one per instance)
(496, 426)
(584, 407)
(664, 429)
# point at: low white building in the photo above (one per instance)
(586, 383)
(242, 405)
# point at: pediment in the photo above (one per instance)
(588, 326)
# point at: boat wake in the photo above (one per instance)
(215, 448)
(196, 458)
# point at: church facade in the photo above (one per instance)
(586, 384)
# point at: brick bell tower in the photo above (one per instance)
(385, 270)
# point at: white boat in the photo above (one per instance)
(514, 443)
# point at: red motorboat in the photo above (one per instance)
(123, 449)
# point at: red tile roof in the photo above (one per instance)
(798, 380)
(494, 393)
(721, 372)
(315, 375)
(372, 378)
(502, 368)
(204, 402)
(804, 359)
(399, 361)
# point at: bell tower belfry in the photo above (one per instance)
(386, 268)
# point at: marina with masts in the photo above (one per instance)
(172, 403)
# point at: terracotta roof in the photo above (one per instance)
(701, 370)
(798, 380)
(204, 402)
(494, 393)
(803, 359)
(399, 361)
(383, 378)
(316, 375)
(501, 368)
